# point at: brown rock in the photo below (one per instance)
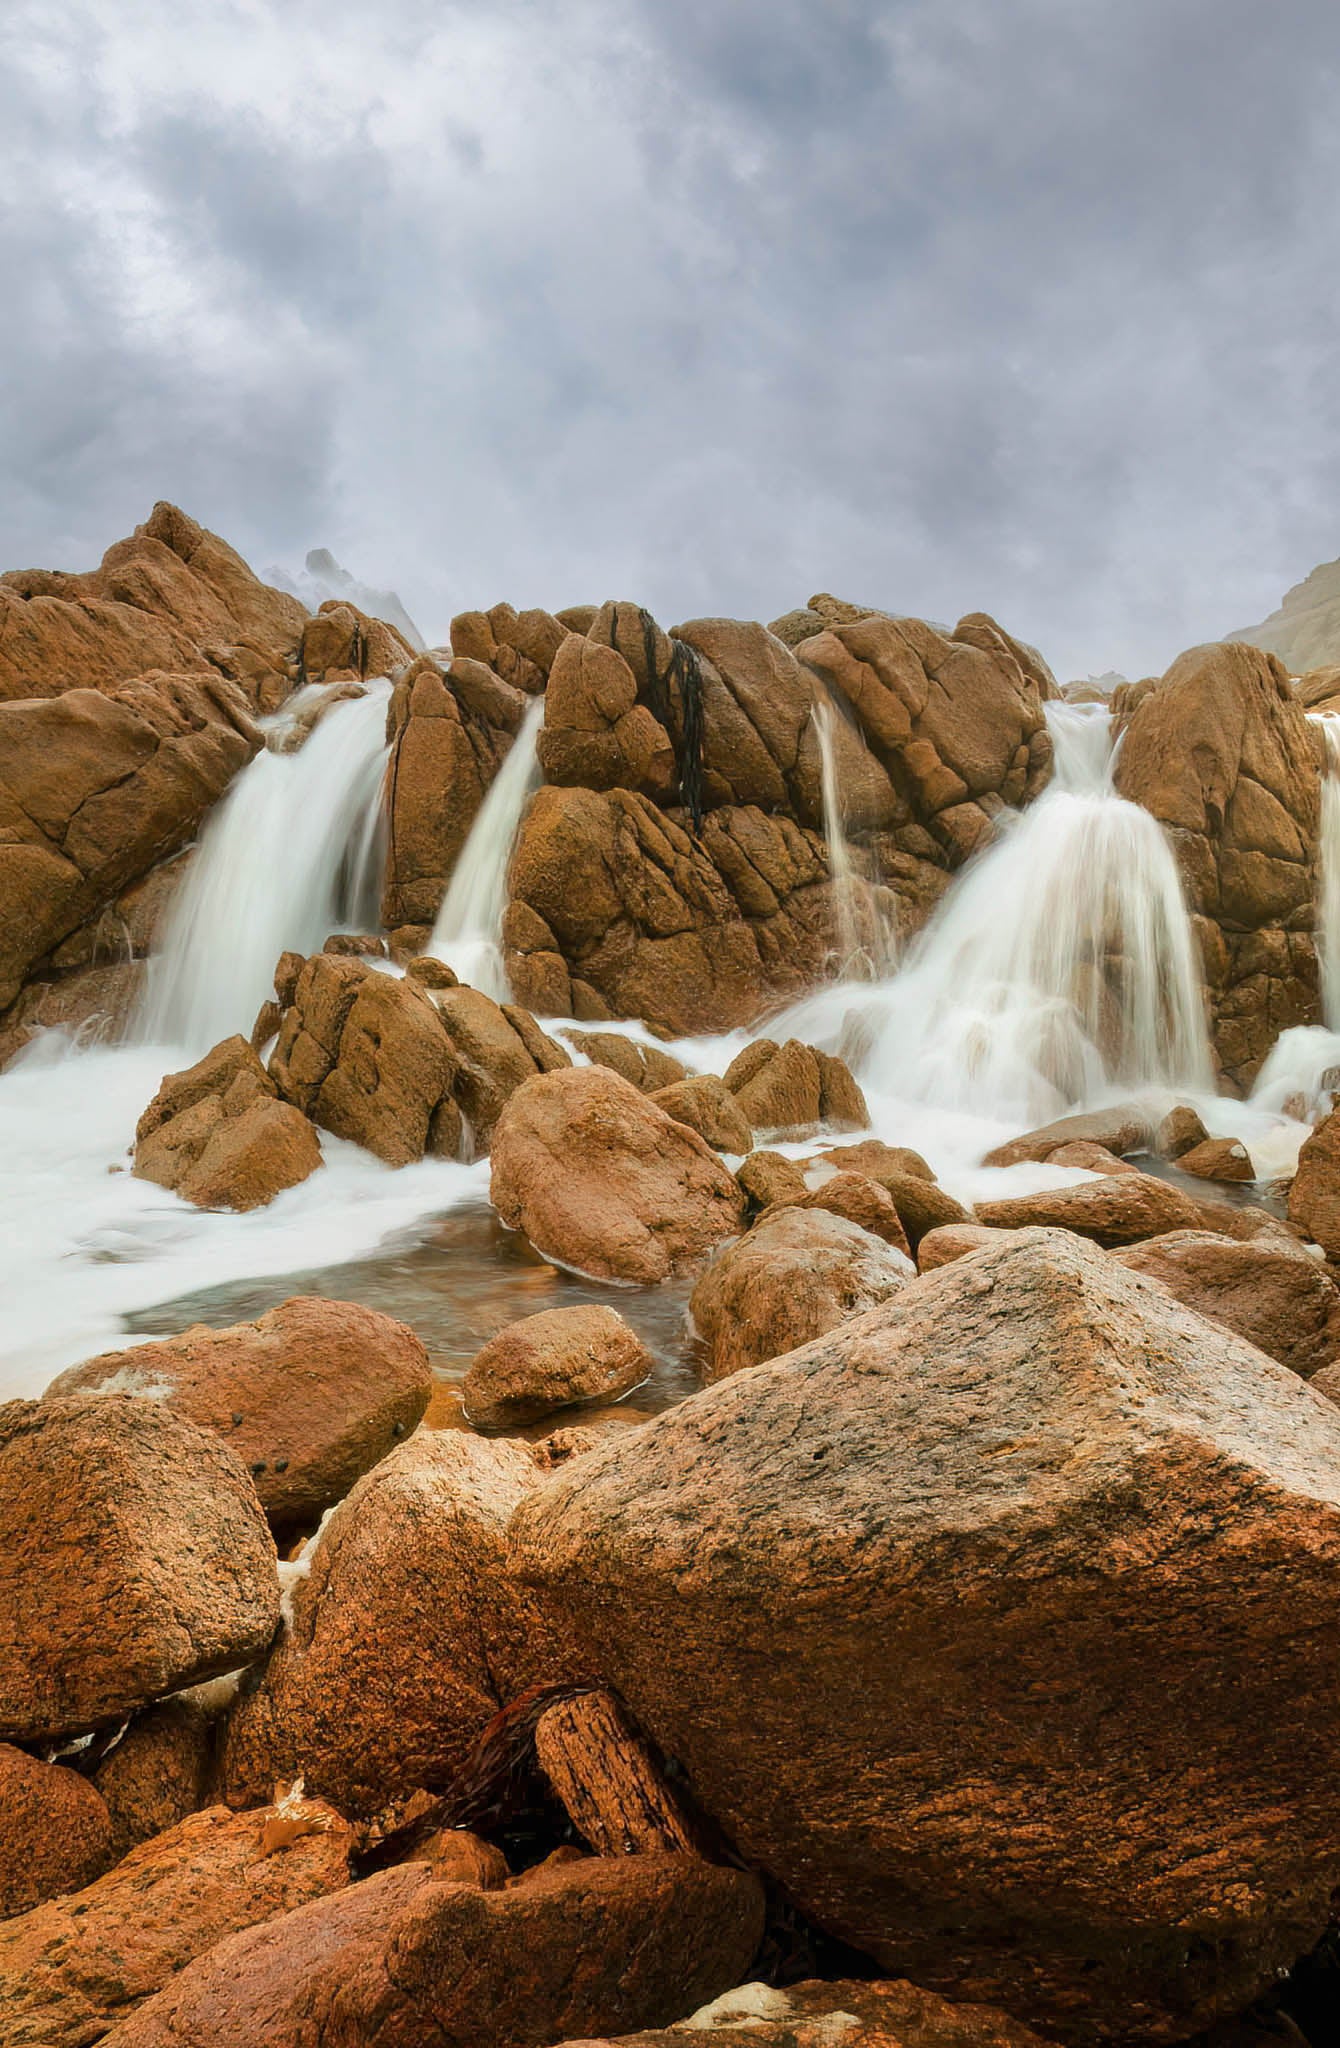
(1222, 754)
(72, 1969)
(648, 1067)
(1046, 1552)
(551, 1360)
(491, 1054)
(1090, 1158)
(778, 1088)
(404, 1636)
(949, 1241)
(455, 1856)
(862, 1201)
(859, 2015)
(795, 1275)
(872, 1156)
(1119, 1209)
(162, 1769)
(1181, 1130)
(229, 1068)
(1314, 1198)
(134, 1559)
(309, 1396)
(771, 1180)
(216, 1135)
(1225, 1159)
(431, 973)
(1120, 1130)
(596, 733)
(1267, 1289)
(608, 1781)
(706, 1105)
(95, 790)
(55, 1831)
(602, 1943)
(603, 1180)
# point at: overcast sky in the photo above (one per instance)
(1021, 305)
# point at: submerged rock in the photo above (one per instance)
(602, 1180)
(309, 1396)
(134, 1559)
(1045, 1560)
(552, 1360)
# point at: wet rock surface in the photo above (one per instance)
(552, 1360)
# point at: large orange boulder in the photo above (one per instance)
(56, 1834)
(72, 1969)
(1113, 1209)
(1268, 1289)
(1222, 754)
(1042, 1554)
(309, 1396)
(602, 1943)
(404, 1635)
(134, 1559)
(96, 787)
(602, 1180)
(796, 1275)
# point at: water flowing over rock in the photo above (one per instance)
(406, 1958)
(1222, 754)
(1041, 1555)
(309, 1396)
(602, 1180)
(468, 930)
(134, 1559)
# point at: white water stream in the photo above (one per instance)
(468, 931)
(866, 940)
(292, 854)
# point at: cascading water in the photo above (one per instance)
(293, 853)
(468, 931)
(1061, 962)
(866, 938)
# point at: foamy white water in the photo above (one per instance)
(468, 931)
(1060, 964)
(866, 940)
(291, 854)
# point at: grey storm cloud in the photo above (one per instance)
(1025, 305)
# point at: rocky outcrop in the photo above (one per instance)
(1046, 1553)
(1221, 753)
(96, 788)
(72, 1969)
(796, 1275)
(173, 596)
(595, 1944)
(1267, 1289)
(217, 1134)
(134, 1559)
(309, 1396)
(55, 1831)
(789, 1090)
(404, 1636)
(602, 1180)
(552, 1360)
(1305, 631)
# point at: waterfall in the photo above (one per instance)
(291, 854)
(1061, 962)
(468, 932)
(866, 939)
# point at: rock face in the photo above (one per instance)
(217, 1134)
(161, 1770)
(55, 1831)
(134, 1559)
(1314, 1198)
(601, 1179)
(96, 788)
(1222, 754)
(1046, 1552)
(1305, 631)
(790, 1090)
(308, 1397)
(550, 1360)
(72, 1969)
(598, 1944)
(797, 1274)
(1267, 1289)
(405, 1636)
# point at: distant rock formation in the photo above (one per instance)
(1305, 631)
(323, 578)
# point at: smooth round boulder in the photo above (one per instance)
(134, 1559)
(603, 1181)
(796, 1274)
(309, 1396)
(1045, 1562)
(56, 1834)
(553, 1360)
